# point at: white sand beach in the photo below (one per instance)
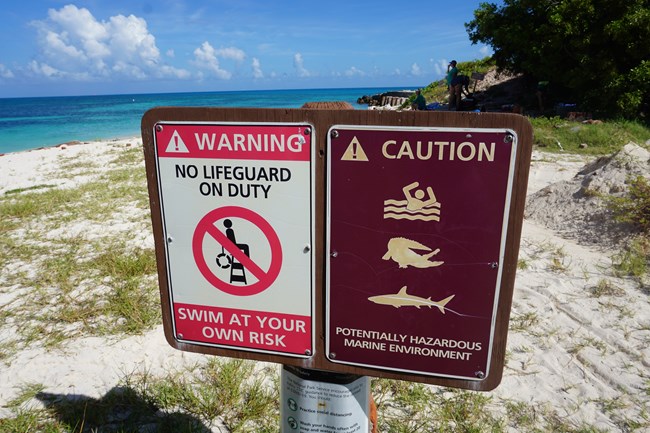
(579, 344)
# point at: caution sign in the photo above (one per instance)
(416, 242)
(237, 209)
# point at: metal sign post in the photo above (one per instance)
(319, 401)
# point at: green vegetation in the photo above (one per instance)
(229, 390)
(606, 288)
(408, 407)
(437, 90)
(634, 208)
(77, 285)
(592, 52)
(634, 260)
(192, 401)
(603, 138)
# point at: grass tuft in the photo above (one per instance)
(601, 138)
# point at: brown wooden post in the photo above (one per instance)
(322, 377)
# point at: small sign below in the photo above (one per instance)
(312, 403)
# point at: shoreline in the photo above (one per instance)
(30, 123)
(67, 144)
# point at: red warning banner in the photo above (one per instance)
(286, 333)
(252, 142)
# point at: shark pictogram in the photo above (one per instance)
(403, 299)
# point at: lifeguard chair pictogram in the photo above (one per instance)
(237, 270)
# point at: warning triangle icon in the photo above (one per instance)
(176, 144)
(354, 152)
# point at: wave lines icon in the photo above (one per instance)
(397, 209)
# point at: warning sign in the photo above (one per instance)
(240, 266)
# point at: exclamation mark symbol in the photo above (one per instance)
(176, 144)
(354, 152)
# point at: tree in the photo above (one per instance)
(594, 52)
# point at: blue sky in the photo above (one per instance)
(68, 47)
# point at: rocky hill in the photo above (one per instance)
(496, 91)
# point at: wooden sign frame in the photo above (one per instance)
(323, 119)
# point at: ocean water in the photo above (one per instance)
(30, 123)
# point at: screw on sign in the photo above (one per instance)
(235, 255)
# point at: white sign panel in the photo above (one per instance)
(238, 221)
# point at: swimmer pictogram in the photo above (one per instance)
(417, 204)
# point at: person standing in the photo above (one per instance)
(452, 72)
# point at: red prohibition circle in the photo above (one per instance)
(206, 227)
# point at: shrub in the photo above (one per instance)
(634, 207)
(633, 260)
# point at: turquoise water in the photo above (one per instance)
(29, 123)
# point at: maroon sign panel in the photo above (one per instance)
(417, 219)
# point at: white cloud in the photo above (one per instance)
(354, 71)
(299, 64)
(205, 57)
(170, 53)
(5, 72)
(485, 50)
(133, 48)
(170, 71)
(44, 69)
(257, 68)
(440, 67)
(75, 44)
(48, 71)
(231, 53)
(57, 44)
(81, 21)
(415, 69)
(128, 69)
